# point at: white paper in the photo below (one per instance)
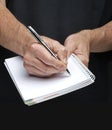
(37, 89)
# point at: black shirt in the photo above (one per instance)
(58, 19)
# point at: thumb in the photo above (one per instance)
(83, 56)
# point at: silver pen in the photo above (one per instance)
(37, 36)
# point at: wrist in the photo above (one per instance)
(25, 39)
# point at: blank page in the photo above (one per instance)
(31, 87)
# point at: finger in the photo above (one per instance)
(70, 46)
(58, 49)
(44, 56)
(83, 56)
(32, 64)
(62, 54)
(39, 65)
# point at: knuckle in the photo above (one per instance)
(32, 46)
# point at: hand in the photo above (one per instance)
(79, 44)
(39, 62)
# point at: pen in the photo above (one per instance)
(37, 36)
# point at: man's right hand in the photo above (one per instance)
(39, 62)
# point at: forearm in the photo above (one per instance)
(13, 35)
(101, 38)
(3, 2)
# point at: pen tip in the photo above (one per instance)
(68, 71)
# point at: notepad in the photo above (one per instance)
(34, 90)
